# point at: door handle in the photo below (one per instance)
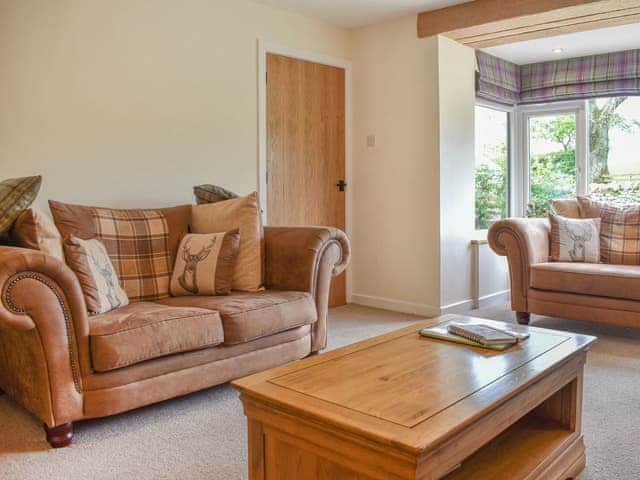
(341, 185)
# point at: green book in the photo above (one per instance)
(441, 333)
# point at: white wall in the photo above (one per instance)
(413, 192)
(456, 104)
(132, 102)
(395, 186)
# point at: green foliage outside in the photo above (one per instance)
(492, 186)
(553, 174)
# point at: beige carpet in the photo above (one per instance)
(202, 436)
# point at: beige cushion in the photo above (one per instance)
(242, 213)
(566, 208)
(204, 264)
(16, 194)
(614, 281)
(98, 279)
(574, 239)
(247, 316)
(588, 208)
(143, 331)
(35, 230)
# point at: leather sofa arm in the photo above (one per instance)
(305, 259)
(44, 346)
(525, 241)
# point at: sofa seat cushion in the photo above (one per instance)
(602, 280)
(143, 331)
(248, 316)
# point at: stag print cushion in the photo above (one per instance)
(574, 240)
(98, 279)
(204, 264)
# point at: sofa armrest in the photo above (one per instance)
(525, 241)
(44, 346)
(305, 259)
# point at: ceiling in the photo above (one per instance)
(357, 13)
(592, 42)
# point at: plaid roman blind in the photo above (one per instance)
(605, 75)
(496, 79)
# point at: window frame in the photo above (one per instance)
(511, 133)
(523, 114)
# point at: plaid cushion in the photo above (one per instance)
(620, 235)
(16, 194)
(212, 194)
(138, 245)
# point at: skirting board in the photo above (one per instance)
(423, 309)
(467, 305)
(395, 305)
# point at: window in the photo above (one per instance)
(614, 149)
(492, 165)
(552, 160)
(563, 149)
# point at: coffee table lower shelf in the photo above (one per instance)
(523, 451)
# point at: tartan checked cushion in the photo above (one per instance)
(16, 194)
(138, 245)
(141, 244)
(620, 235)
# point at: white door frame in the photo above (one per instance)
(263, 49)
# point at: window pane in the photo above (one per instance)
(492, 163)
(552, 161)
(614, 149)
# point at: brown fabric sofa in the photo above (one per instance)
(580, 291)
(63, 365)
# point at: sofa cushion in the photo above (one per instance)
(247, 316)
(204, 264)
(568, 207)
(16, 194)
(574, 239)
(142, 331)
(98, 279)
(142, 244)
(35, 230)
(242, 213)
(602, 280)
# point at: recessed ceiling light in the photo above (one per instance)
(558, 50)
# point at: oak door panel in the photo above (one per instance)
(306, 147)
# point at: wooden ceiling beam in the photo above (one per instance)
(484, 23)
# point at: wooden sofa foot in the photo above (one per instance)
(59, 436)
(523, 318)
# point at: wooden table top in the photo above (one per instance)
(409, 391)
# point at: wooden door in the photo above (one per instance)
(306, 148)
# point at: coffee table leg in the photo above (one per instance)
(256, 450)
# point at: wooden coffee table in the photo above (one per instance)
(400, 406)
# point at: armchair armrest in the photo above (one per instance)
(525, 241)
(305, 259)
(44, 347)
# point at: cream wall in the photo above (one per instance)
(456, 103)
(413, 212)
(132, 102)
(395, 183)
